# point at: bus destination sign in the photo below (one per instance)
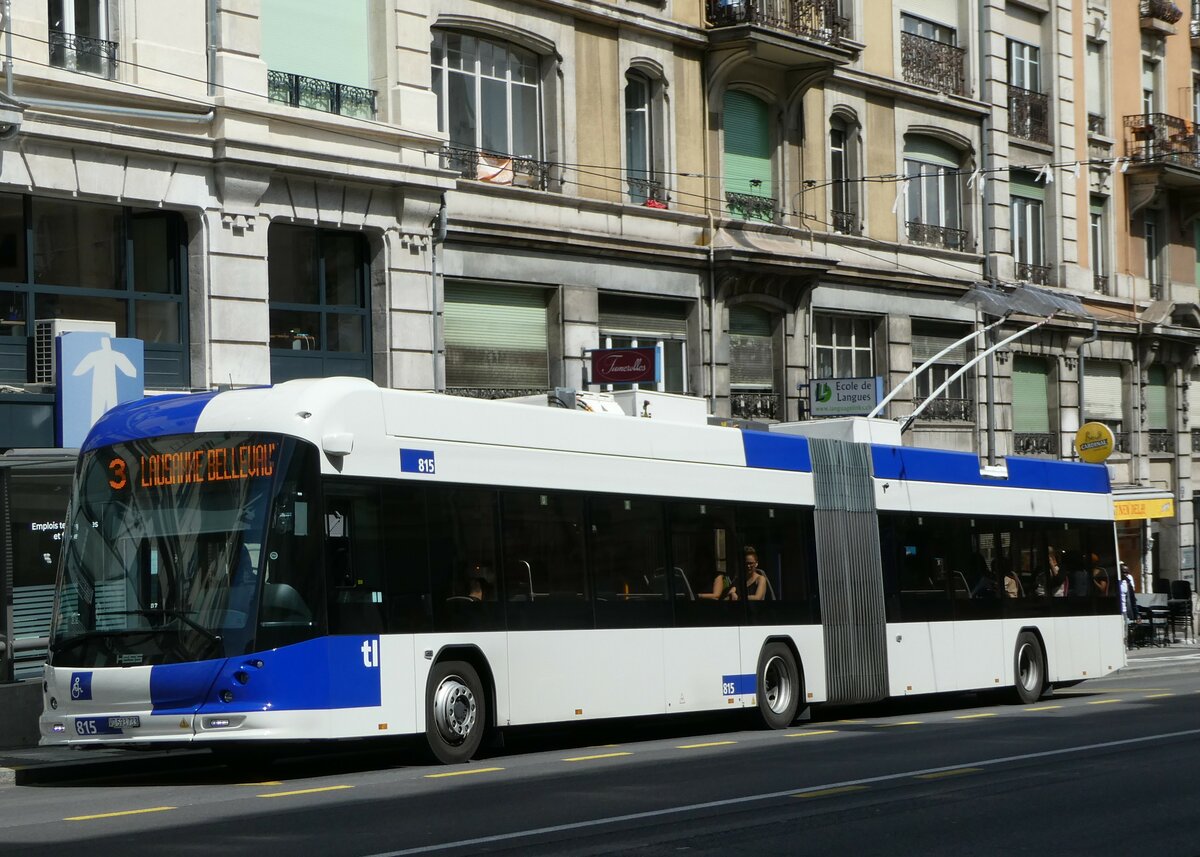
(219, 464)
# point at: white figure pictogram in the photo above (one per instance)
(104, 365)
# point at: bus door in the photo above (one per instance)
(849, 572)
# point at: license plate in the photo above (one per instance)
(86, 726)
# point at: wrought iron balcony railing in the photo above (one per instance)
(943, 410)
(846, 222)
(754, 405)
(643, 190)
(1122, 439)
(495, 392)
(747, 206)
(1096, 123)
(1161, 10)
(300, 91)
(1160, 138)
(934, 64)
(1035, 443)
(1156, 291)
(1027, 272)
(1028, 114)
(1194, 23)
(1160, 441)
(1100, 284)
(818, 20)
(82, 53)
(1195, 440)
(496, 168)
(936, 236)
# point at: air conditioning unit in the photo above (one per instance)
(46, 330)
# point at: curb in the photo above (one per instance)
(8, 777)
(84, 769)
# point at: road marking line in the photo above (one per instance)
(465, 773)
(115, 814)
(974, 716)
(306, 791)
(1044, 708)
(1103, 701)
(901, 723)
(263, 783)
(840, 790)
(598, 756)
(709, 744)
(937, 775)
(1157, 695)
(769, 796)
(859, 721)
(813, 732)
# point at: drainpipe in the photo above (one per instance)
(1092, 337)
(712, 316)
(439, 237)
(985, 220)
(212, 47)
(8, 60)
(139, 112)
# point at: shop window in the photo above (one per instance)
(496, 340)
(641, 323)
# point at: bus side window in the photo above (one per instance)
(353, 562)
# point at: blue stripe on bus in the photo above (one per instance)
(150, 417)
(776, 451)
(735, 685)
(320, 674)
(962, 468)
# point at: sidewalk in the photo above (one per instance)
(48, 764)
(1150, 656)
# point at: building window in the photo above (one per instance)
(843, 346)
(496, 340)
(1094, 83)
(1028, 107)
(1098, 244)
(640, 323)
(933, 210)
(78, 37)
(1032, 434)
(843, 176)
(642, 174)
(1154, 273)
(1028, 238)
(1104, 395)
(1161, 436)
(319, 316)
(749, 186)
(1150, 87)
(489, 103)
(929, 55)
(752, 363)
(956, 403)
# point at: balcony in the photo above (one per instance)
(1161, 442)
(1195, 441)
(1194, 24)
(1100, 284)
(496, 168)
(794, 34)
(928, 235)
(845, 222)
(1122, 441)
(83, 54)
(1027, 272)
(747, 206)
(943, 410)
(646, 191)
(754, 405)
(1160, 16)
(297, 90)
(1029, 115)
(1036, 443)
(1156, 291)
(1096, 123)
(932, 64)
(1164, 146)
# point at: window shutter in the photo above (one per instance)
(661, 319)
(747, 145)
(1102, 392)
(931, 151)
(496, 336)
(1194, 403)
(1031, 401)
(751, 348)
(1158, 417)
(926, 343)
(316, 38)
(1024, 184)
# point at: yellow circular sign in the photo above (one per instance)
(1094, 442)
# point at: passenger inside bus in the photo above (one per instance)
(757, 585)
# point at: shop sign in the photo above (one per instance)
(625, 365)
(1095, 442)
(1131, 510)
(844, 397)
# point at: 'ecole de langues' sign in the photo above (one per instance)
(624, 365)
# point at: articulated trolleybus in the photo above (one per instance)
(327, 560)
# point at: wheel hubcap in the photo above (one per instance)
(1029, 668)
(777, 685)
(454, 709)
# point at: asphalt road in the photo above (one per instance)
(1111, 766)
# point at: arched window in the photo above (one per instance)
(489, 102)
(933, 214)
(843, 176)
(749, 186)
(641, 140)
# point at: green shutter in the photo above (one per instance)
(495, 336)
(747, 145)
(317, 38)
(1103, 392)
(1024, 184)
(1158, 418)
(751, 348)
(661, 319)
(1031, 401)
(930, 151)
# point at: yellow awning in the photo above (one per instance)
(1140, 509)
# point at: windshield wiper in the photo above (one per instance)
(181, 615)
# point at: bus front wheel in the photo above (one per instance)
(1029, 668)
(455, 712)
(778, 690)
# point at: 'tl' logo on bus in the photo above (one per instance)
(81, 686)
(370, 653)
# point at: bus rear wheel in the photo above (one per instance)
(1029, 668)
(778, 687)
(455, 712)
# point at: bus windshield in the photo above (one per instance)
(166, 550)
